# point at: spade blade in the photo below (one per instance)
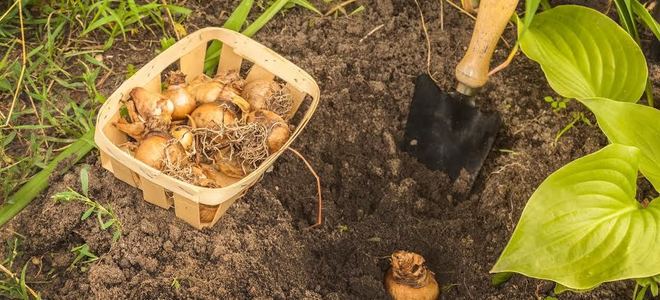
(446, 132)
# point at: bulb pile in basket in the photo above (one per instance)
(207, 130)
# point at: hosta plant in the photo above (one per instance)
(583, 225)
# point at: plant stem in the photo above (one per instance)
(319, 215)
(13, 276)
(23, 66)
(19, 200)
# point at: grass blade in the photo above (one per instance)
(309, 6)
(646, 18)
(239, 16)
(235, 22)
(84, 181)
(16, 202)
(499, 279)
(627, 18)
(268, 14)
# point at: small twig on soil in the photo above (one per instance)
(467, 289)
(608, 7)
(281, 102)
(36, 114)
(169, 16)
(319, 214)
(442, 15)
(23, 65)
(339, 6)
(13, 276)
(507, 62)
(461, 9)
(371, 32)
(104, 78)
(428, 42)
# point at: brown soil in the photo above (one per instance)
(377, 199)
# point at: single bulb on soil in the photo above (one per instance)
(409, 279)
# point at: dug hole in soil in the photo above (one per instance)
(377, 199)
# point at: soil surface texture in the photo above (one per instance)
(377, 199)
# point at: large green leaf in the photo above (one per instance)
(634, 125)
(585, 54)
(583, 225)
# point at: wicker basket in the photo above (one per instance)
(199, 206)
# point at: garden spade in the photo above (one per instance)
(445, 131)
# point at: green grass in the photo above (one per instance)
(84, 257)
(52, 67)
(57, 87)
(239, 17)
(13, 284)
(105, 216)
(628, 11)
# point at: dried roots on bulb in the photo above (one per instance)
(159, 150)
(204, 131)
(268, 95)
(235, 150)
(281, 102)
(409, 279)
(278, 129)
(214, 115)
(248, 145)
(231, 78)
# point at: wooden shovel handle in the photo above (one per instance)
(472, 71)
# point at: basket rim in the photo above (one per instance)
(235, 40)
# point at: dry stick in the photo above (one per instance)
(371, 32)
(461, 9)
(24, 56)
(428, 42)
(36, 113)
(319, 215)
(467, 5)
(13, 276)
(105, 77)
(339, 6)
(442, 15)
(169, 15)
(507, 62)
(8, 10)
(1, 18)
(609, 6)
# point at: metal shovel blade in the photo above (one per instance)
(448, 133)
